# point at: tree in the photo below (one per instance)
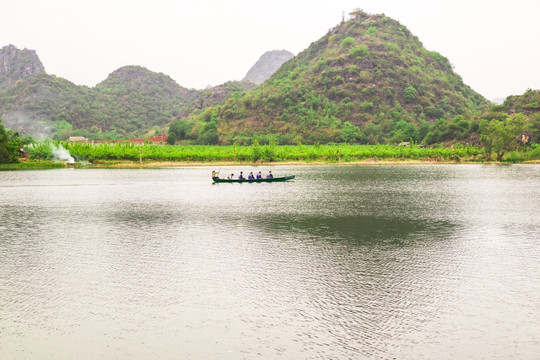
(535, 127)
(172, 138)
(209, 133)
(423, 129)
(373, 133)
(350, 133)
(10, 143)
(256, 147)
(181, 128)
(404, 131)
(502, 135)
(438, 132)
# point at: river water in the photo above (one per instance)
(378, 262)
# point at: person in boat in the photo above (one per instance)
(269, 175)
(259, 175)
(250, 176)
(215, 174)
(241, 176)
(230, 177)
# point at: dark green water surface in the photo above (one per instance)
(344, 262)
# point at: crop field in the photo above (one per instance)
(285, 153)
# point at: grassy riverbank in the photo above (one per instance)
(127, 164)
(369, 162)
(33, 165)
(127, 155)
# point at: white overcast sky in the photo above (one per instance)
(493, 44)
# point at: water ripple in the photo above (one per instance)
(415, 262)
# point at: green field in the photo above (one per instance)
(334, 153)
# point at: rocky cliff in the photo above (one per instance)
(16, 64)
(267, 64)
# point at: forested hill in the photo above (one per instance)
(365, 77)
(142, 99)
(368, 80)
(527, 104)
(131, 102)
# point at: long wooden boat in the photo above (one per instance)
(276, 179)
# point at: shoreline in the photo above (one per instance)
(366, 162)
(171, 164)
(158, 164)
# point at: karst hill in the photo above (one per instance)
(367, 71)
(366, 79)
(131, 102)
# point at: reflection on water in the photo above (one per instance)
(361, 230)
(410, 262)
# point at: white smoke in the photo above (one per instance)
(27, 124)
(61, 154)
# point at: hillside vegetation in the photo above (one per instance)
(368, 80)
(528, 104)
(132, 102)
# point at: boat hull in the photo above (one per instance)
(276, 179)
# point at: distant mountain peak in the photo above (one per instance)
(135, 75)
(267, 64)
(16, 64)
(131, 78)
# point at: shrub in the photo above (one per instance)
(347, 42)
(410, 94)
(171, 139)
(359, 51)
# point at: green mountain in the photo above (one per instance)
(131, 102)
(136, 98)
(367, 80)
(527, 104)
